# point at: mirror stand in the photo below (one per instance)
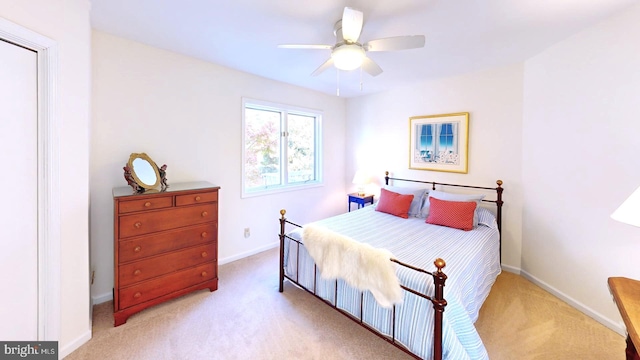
(163, 176)
(131, 181)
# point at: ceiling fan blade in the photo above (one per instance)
(370, 67)
(327, 64)
(302, 46)
(395, 43)
(351, 24)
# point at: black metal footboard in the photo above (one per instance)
(437, 299)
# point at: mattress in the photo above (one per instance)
(473, 263)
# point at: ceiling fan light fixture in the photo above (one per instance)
(348, 57)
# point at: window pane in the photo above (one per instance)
(427, 146)
(262, 148)
(301, 148)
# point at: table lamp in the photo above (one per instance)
(629, 211)
(360, 179)
(624, 290)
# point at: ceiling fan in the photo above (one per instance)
(349, 54)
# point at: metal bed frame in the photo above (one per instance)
(439, 277)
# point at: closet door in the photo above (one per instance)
(19, 184)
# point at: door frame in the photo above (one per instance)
(48, 176)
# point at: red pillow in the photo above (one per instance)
(454, 214)
(394, 203)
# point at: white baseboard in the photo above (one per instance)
(248, 253)
(101, 298)
(511, 269)
(74, 345)
(617, 327)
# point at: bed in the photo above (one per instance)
(419, 324)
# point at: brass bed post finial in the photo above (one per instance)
(499, 191)
(386, 178)
(282, 212)
(439, 304)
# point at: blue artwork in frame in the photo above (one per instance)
(439, 142)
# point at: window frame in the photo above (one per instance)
(284, 110)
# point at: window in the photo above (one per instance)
(281, 147)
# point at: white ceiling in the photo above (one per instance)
(461, 35)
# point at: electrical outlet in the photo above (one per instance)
(247, 232)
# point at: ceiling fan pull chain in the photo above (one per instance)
(338, 82)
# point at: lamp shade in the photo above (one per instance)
(348, 57)
(360, 178)
(629, 211)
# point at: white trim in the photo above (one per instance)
(617, 327)
(74, 345)
(511, 269)
(102, 298)
(48, 177)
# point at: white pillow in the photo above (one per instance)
(441, 195)
(418, 197)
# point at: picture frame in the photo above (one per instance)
(439, 142)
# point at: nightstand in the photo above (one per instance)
(361, 200)
(625, 294)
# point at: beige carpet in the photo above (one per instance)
(247, 318)
(519, 320)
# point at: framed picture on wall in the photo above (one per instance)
(439, 142)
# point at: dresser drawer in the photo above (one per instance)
(157, 287)
(149, 222)
(146, 204)
(146, 269)
(199, 198)
(145, 246)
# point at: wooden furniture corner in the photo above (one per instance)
(626, 294)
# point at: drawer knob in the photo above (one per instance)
(137, 295)
(204, 273)
(137, 272)
(147, 204)
(204, 254)
(204, 213)
(204, 234)
(197, 198)
(137, 248)
(137, 225)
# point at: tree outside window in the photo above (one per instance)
(281, 147)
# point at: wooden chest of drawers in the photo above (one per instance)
(165, 245)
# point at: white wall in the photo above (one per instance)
(67, 22)
(186, 113)
(378, 133)
(580, 161)
(560, 130)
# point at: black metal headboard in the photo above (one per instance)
(498, 201)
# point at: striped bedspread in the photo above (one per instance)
(473, 263)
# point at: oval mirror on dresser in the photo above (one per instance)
(144, 170)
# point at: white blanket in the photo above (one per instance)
(360, 265)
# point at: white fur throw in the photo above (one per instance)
(360, 265)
